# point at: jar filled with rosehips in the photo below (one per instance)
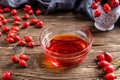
(106, 13)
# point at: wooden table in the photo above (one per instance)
(88, 70)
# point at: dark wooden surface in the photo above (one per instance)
(36, 70)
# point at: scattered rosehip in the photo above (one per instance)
(108, 69)
(11, 34)
(94, 5)
(16, 37)
(14, 12)
(28, 7)
(7, 9)
(15, 28)
(21, 42)
(31, 44)
(38, 12)
(100, 57)
(16, 23)
(7, 75)
(110, 76)
(97, 13)
(28, 38)
(5, 29)
(14, 59)
(10, 40)
(106, 8)
(22, 63)
(16, 18)
(4, 21)
(34, 21)
(24, 57)
(103, 64)
(31, 12)
(39, 23)
(26, 24)
(108, 57)
(26, 16)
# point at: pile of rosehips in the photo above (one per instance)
(104, 62)
(107, 7)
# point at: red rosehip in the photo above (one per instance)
(94, 5)
(28, 38)
(39, 23)
(108, 69)
(108, 57)
(114, 3)
(1, 24)
(14, 12)
(26, 16)
(5, 29)
(7, 9)
(31, 44)
(11, 34)
(25, 9)
(1, 16)
(24, 57)
(97, 13)
(34, 21)
(14, 59)
(98, 1)
(16, 23)
(110, 76)
(15, 28)
(6, 75)
(1, 11)
(103, 64)
(4, 21)
(26, 24)
(12, 31)
(30, 11)
(22, 63)
(21, 42)
(28, 7)
(38, 12)
(100, 57)
(10, 40)
(106, 8)
(16, 37)
(16, 18)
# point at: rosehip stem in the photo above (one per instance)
(116, 63)
(34, 16)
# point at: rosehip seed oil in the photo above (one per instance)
(66, 50)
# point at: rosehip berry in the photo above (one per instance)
(100, 57)
(4, 21)
(10, 40)
(26, 16)
(31, 44)
(6, 75)
(1, 16)
(22, 63)
(106, 8)
(26, 24)
(108, 57)
(15, 28)
(11, 34)
(5, 29)
(34, 21)
(14, 59)
(30, 11)
(16, 18)
(103, 64)
(16, 23)
(110, 76)
(21, 42)
(1, 11)
(14, 12)
(108, 69)
(24, 57)
(97, 13)
(39, 23)
(25, 9)
(7, 9)
(1, 24)
(16, 37)
(28, 7)
(28, 38)
(114, 3)
(12, 31)
(38, 12)
(94, 5)
(98, 1)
